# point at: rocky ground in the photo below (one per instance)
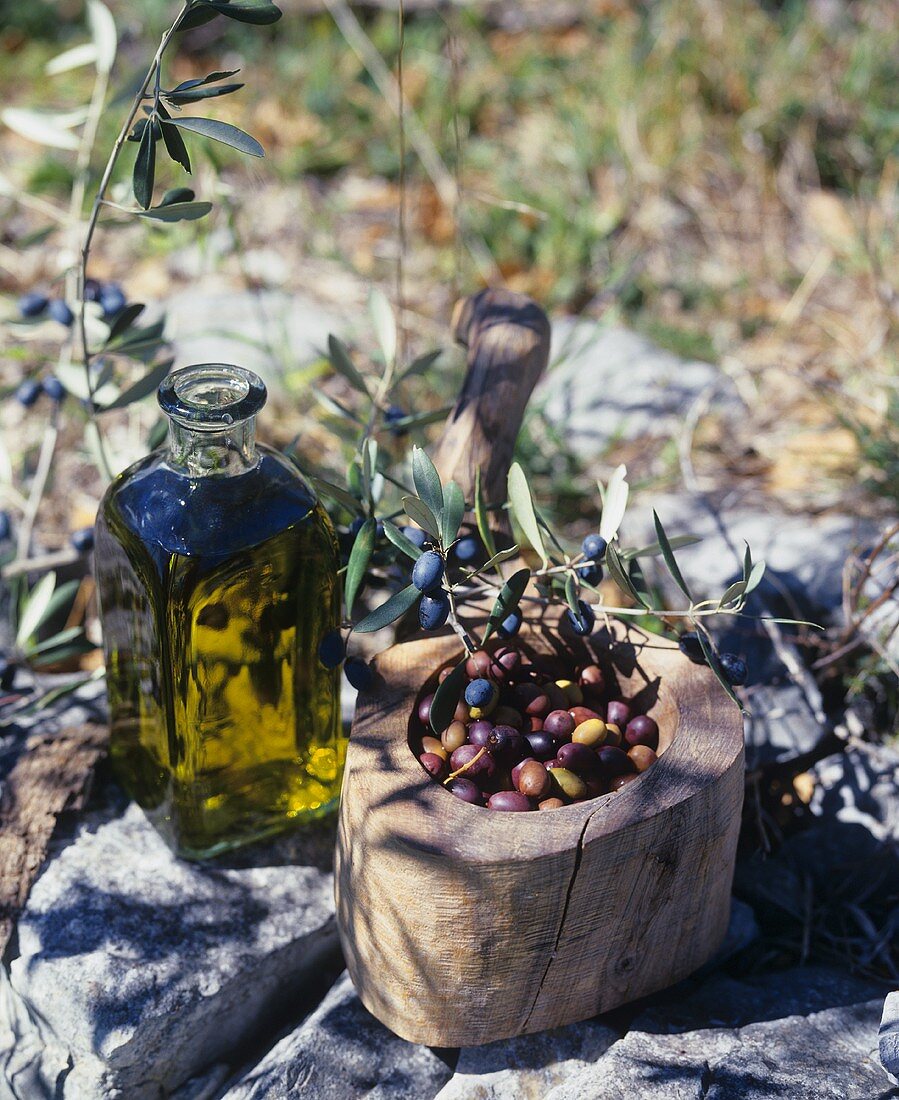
(133, 975)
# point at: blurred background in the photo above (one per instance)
(719, 178)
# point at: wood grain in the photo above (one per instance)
(52, 775)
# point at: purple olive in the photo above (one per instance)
(618, 712)
(466, 790)
(578, 758)
(483, 768)
(642, 730)
(560, 724)
(543, 746)
(424, 708)
(509, 801)
(433, 764)
(479, 731)
(614, 761)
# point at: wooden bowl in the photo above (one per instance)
(462, 925)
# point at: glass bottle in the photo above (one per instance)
(217, 578)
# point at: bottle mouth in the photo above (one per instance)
(210, 396)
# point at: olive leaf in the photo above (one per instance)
(614, 504)
(257, 12)
(173, 141)
(668, 555)
(145, 169)
(480, 516)
(399, 540)
(339, 358)
(635, 572)
(422, 363)
(421, 514)
(732, 594)
(35, 608)
(498, 558)
(507, 600)
(420, 420)
(446, 698)
(619, 574)
(715, 665)
(143, 387)
(125, 319)
(176, 212)
(360, 555)
(453, 511)
(334, 492)
(654, 550)
(369, 467)
(397, 606)
(427, 482)
(384, 323)
(572, 595)
(224, 132)
(522, 504)
(756, 573)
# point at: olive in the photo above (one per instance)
(478, 664)
(506, 716)
(466, 790)
(427, 573)
(735, 668)
(642, 730)
(596, 785)
(32, 304)
(331, 649)
(613, 734)
(483, 768)
(690, 645)
(415, 535)
(532, 699)
(480, 693)
(467, 550)
(53, 388)
(510, 625)
(568, 783)
(557, 698)
(516, 771)
(594, 547)
(591, 678)
(82, 540)
(622, 781)
(542, 745)
(506, 744)
(424, 708)
(582, 714)
(460, 714)
(536, 724)
(560, 724)
(642, 757)
(433, 611)
(571, 691)
(577, 758)
(433, 745)
(591, 732)
(508, 659)
(509, 802)
(582, 624)
(479, 731)
(444, 673)
(614, 762)
(618, 712)
(454, 736)
(60, 311)
(433, 764)
(551, 804)
(358, 673)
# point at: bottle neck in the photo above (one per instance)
(225, 451)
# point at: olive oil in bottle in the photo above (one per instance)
(217, 577)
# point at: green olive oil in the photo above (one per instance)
(217, 575)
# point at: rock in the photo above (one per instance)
(860, 785)
(529, 1066)
(724, 1001)
(148, 969)
(342, 1052)
(889, 1034)
(742, 930)
(610, 383)
(830, 1054)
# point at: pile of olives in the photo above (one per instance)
(522, 739)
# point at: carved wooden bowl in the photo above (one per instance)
(463, 925)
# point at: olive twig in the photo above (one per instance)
(466, 765)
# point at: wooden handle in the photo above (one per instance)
(507, 336)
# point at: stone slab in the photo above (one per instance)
(608, 383)
(528, 1066)
(829, 1055)
(147, 969)
(860, 785)
(888, 1038)
(341, 1052)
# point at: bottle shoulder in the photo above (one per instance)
(211, 516)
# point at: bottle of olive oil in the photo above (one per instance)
(217, 577)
